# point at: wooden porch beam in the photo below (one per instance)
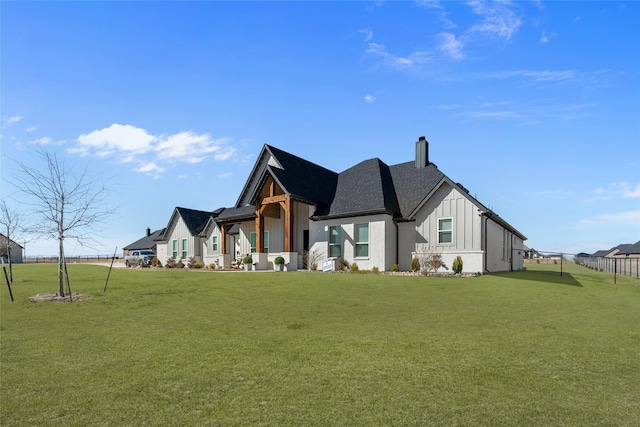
(274, 199)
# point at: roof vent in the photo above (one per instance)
(422, 152)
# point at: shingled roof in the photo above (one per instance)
(364, 189)
(195, 220)
(299, 178)
(631, 250)
(147, 242)
(373, 187)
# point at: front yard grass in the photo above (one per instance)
(283, 349)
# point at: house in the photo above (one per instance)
(372, 214)
(618, 251)
(148, 242)
(9, 246)
(630, 251)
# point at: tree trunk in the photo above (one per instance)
(60, 267)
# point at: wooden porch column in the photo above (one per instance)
(288, 225)
(259, 231)
(223, 242)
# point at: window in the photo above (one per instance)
(335, 242)
(252, 238)
(184, 248)
(445, 230)
(214, 243)
(362, 240)
(174, 250)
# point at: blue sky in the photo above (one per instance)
(534, 106)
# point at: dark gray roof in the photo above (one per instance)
(413, 184)
(147, 242)
(365, 189)
(601, 253)
(631, 249)
(195, 220)
(302, 179)
(236, 214)
(372, 187)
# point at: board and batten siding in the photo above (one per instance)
(179, 232)
(449, 202)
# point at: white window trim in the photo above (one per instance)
(184, 246)
(445, 231)
(174, 248)
(339, 244)
(214, 243)
(356, 243)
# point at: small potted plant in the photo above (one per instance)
(278, 263)
(247, 261)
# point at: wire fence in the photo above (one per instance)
(623, 266)
(617, 265)
(68, 259)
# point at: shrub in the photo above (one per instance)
(192, 262)
(155, 262)
(279, 260)
(212, 266)
(314, 266)
(342, 264)
(247, 260)
(171, 263)
(457, 265)
(395, 268)
(433, 263)
(200, 264)
(354, 267)
(179, 264)
(375, 270)
(415, 265)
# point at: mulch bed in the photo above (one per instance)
(75, 296)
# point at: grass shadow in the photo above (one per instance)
(544, 276)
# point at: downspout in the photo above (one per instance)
(397, 242)
(485, 219)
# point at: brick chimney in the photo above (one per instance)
(422, 152)
(148, 232)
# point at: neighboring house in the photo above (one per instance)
(632, 251)
(8, 245)
(601, 253)
(613, 252)
(148, 243)
(373, 214)
(182, 238)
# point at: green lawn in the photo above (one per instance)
(312, 349)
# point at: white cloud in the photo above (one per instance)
(11, 120)
(415, 58)
(546, 37)
(188, 147)
(538, 76)
(451, 46)
(368, 34)
(432, 4)
(497, 18)
(31, 129)
(45, 140)
(115, 138)
(616, 190)
(619, 218)
(370, 99)
(151, 153)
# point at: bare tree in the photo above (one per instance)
(9, 220)
(65, 204)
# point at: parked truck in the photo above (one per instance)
(141, 258)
